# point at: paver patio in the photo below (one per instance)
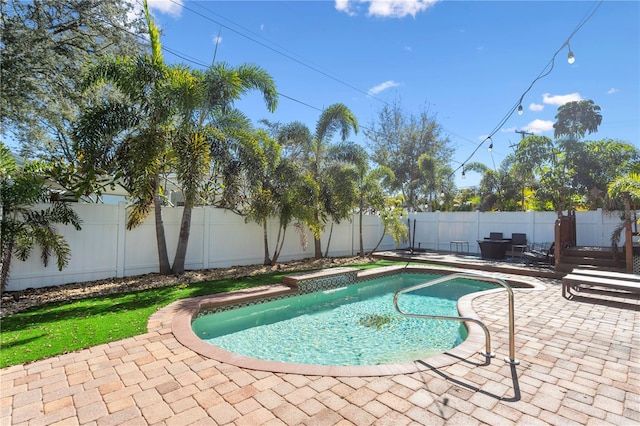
(579, 365)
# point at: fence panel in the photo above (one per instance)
(219, 238)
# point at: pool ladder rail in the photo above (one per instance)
(511, 358)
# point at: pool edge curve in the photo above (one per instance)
(185, 310)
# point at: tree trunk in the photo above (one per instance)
(183, 240)
(326, 253)
(361, 253)
(163, 257)
(317, 248)
(6, 263)
(384, 232)
(267, 260)
(316, 240)
(279, 244)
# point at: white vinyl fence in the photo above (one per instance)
(436, 230)
(219, 238)
(104, 248)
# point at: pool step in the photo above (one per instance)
(309, 282)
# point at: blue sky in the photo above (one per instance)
(467, 63)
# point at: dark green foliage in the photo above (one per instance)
(44, 45)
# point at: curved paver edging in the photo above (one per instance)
(186, 310)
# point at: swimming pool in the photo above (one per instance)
(355, 325)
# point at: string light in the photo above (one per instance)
(570, 58)
(463, 173)
(490, 145)
(545, 71)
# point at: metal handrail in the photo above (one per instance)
(511, 359)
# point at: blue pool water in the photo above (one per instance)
(353, 325)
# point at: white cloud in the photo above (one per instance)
(381, 87)
(536, 107)
(408, 49)
(508, 129)
(560, 99)
(539, 126)
(612, 91)
(167, 7)
(386, 8)
(343, 6)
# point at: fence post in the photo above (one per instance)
(476, 248)
(600, 233)
(437, 230)
(206, 239)
(121, 243)
(628, 247)
(531, 220)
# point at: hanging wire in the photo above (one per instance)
(516, 107)
(545, 72)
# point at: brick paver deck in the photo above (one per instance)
(579, 364)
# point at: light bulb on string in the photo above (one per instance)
(570, 58)
(490, 145)
(463, 174)
(520, 110)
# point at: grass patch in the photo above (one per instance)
(57, 328)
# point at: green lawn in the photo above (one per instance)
(58, 328)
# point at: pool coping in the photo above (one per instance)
(474, 344)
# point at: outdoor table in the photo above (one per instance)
(459, 246)
(493, 249)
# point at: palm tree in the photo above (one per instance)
(128, 134)
(274, 185)
(371, 196)
(311, 152)
(22, 225)
(205, 104)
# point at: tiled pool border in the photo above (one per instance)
(189, 309)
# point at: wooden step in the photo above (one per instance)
(569, 267)
(595, 261)
(592, 252)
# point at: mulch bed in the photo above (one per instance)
(18, 301)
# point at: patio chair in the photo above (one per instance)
(535, 256)
(518, 244)
(600, 281)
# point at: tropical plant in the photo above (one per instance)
(371, 195)
(271, 184)
(597, 163)
(626, 188)
(499, 189)
(392, 222)
(127, 133)
(346, 162)
(577, 118)
(548, 161)
(319, 159)
(205, 111)
(23, 226)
